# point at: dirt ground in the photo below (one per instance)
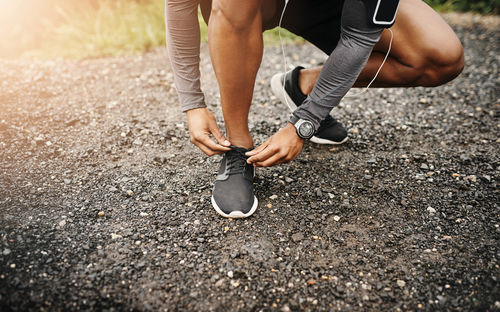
(105, 205)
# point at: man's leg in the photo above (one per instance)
(236, 48)
(425, 52)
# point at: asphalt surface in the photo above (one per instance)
(105, 205)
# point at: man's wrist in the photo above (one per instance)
(304, 128)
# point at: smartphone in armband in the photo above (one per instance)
(382, 12)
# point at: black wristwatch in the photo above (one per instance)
(305, 128)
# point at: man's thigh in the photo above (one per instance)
(317, 21)
(420, 35)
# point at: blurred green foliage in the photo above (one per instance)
(479, 6)
(95, 28)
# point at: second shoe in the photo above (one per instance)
(286, 88)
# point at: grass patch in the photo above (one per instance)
(112, 28)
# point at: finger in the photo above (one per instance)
(216, 148)
(221, 139)
(205, 149)
(258, 149)
(271, 161)
(265, 154)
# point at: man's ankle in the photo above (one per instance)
(244, 143)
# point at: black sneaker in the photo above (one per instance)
(232, 196)
(330, 131)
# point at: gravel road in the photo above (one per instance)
(105, 205)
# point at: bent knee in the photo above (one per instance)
(445, 66)
(238, 14)
(442, 64)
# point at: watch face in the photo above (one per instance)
(306, 130)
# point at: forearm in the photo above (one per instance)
(344, 65)
(183, 44)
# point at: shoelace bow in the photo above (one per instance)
(236, 162)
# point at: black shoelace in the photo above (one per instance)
(236, 161)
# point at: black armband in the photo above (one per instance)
(382, 12)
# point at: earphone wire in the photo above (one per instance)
(285, 63)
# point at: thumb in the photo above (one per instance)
(221, 139)
(259, 149)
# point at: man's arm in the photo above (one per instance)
(183, 43)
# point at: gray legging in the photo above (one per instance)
(342, 68)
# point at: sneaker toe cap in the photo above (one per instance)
(234, 197)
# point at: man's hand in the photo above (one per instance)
(201, 124)
(284, 146)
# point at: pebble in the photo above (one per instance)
(336, 218)
(401, 283)
(115, 236)
(297, 237)
(100, 214)
(143, 214)
(6, 252)
(230, 274)
(472, 178)
(431, 210)
(288, 180)
(130, 193)
(273, 197)
(62, 223)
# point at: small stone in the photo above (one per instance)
(6, 252)
(401, 283)
(297, 237)
(196, 222)
(269, 205)
(372, 161)
(431, 210)
(100, 214)
(137, 142)
(472, 178)
(13, 266)
(143, 214)
(355, 130)
(235, 284)
(273, 197)
(112, 189)
(423, 101)
(67, 181)
(319, 193)
(62, 223)
(311, 282)
(226, 229)
(336, 218)
(130, 193)
(288, 180)
(115, 236)
(219, 283)
(230, 274)
(424, 167)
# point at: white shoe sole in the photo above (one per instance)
(236, 214)
(279, 91)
